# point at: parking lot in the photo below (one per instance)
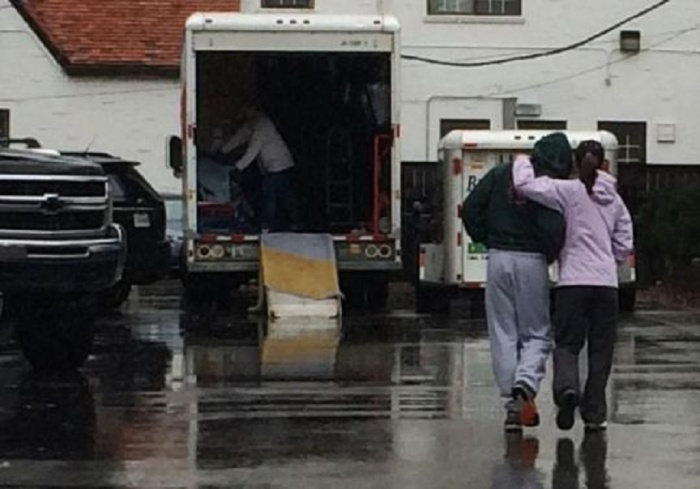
(391, 400)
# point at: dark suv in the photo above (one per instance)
(140, 210)
(58, 249)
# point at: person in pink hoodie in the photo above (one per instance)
(599, 236)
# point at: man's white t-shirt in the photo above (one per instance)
(265, 144)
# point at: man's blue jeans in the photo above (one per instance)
(280, 211)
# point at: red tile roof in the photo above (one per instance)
(107, 37)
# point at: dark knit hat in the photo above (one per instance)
(552, 156)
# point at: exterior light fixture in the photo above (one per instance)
(630, 41)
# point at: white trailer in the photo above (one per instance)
(330, 83)
(455, 263)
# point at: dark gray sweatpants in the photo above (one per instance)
(584, 314)
(517, 313)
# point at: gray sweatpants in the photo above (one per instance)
(517, 313)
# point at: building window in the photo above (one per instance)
(474, 7)
(449, 125)
(631, 139)
(540, 125)
(631, 161)
(287, 4)
(4, 123)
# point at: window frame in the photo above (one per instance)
(287, 4)
(632, 138)
(474, 11)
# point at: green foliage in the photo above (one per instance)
(670, 224)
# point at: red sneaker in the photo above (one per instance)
(528, 413)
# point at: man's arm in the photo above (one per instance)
(475, 209)
(242, 135)
(543, 190)
(254, 148)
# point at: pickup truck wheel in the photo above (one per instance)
(56, 335)
(115, 296)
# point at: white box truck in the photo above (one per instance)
(330, 84)
(454, 263)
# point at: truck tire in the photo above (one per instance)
(205, 292)
(376, 291)
(627, 298)
(115, 296)
(56, 335)
(365, 292)
(431, 300)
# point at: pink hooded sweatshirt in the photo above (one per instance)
(598, 226)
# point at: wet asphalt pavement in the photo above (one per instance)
(390, 401)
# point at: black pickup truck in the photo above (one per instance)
(140, 211)
(58, 249)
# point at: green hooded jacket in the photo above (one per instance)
(493, 215)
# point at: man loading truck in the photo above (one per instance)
(279, 209)
(295, 66)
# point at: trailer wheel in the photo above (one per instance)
(627, 298)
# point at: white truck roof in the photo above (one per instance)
(518, 140)
(288, 21)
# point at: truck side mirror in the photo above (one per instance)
(173, 153)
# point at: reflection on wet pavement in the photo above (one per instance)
(179, 401)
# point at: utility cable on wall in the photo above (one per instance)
(551, 52)
(592, 69)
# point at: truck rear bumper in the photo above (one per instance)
(62, 266)
(253, 266)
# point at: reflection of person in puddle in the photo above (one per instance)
(518, 469)
(593, 454)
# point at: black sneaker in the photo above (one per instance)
(513, 423)
(567, 408)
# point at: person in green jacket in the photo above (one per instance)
(522, 238)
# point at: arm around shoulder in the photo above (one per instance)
(543, 190)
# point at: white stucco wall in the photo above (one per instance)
(594, 83)
(129, 118)
(584, 86)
